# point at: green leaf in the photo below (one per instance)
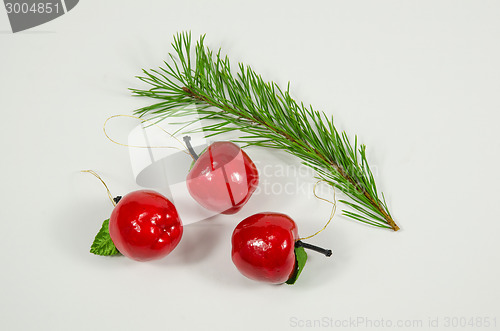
(103, 245)
(300, 262)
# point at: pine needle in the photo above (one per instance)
(267, 115)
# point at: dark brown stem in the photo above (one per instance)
(187, 141)
(325, 252)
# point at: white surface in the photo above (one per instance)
(418, 81)
(159, 160)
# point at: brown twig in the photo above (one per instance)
(339, 169)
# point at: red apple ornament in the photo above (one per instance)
(223, 178)
(266, 247)
(144, 225)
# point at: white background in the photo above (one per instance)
(418, 81)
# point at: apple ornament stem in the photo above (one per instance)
(144, 225)
(266, 247)
(223, 178)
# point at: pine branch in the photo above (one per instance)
(268, 116)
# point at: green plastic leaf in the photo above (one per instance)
(103, 245)
(300, 259)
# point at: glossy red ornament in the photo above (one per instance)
(263, 247)
(144, 225)
(223, 178)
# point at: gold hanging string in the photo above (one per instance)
(334, 208)
(106, 186)
(142, 121)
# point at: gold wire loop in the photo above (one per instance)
(334, 208)
(142, 121)
(102, 181)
